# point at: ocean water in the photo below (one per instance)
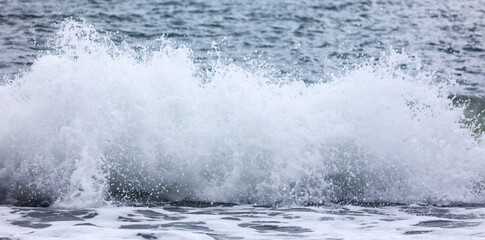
(242, 120)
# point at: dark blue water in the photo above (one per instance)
(307, 39)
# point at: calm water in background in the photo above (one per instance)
(308, 38)
(81, 133)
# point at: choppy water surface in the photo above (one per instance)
(271, 105)
(312, 38)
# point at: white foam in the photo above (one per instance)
(348, 222)
(97, 119)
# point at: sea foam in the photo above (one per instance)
(95, 122)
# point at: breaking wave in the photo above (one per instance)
(95, 122)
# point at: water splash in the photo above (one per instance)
(95, 122)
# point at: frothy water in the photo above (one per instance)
(96, 122)
(243, 222)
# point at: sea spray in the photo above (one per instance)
(95, 122)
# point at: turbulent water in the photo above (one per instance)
(270, 103)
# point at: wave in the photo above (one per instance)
(95, 123)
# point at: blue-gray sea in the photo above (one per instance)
(248, 119)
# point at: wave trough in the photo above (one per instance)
(95, 123)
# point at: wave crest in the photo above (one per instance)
(96, 122)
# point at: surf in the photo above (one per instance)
(96, 123)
